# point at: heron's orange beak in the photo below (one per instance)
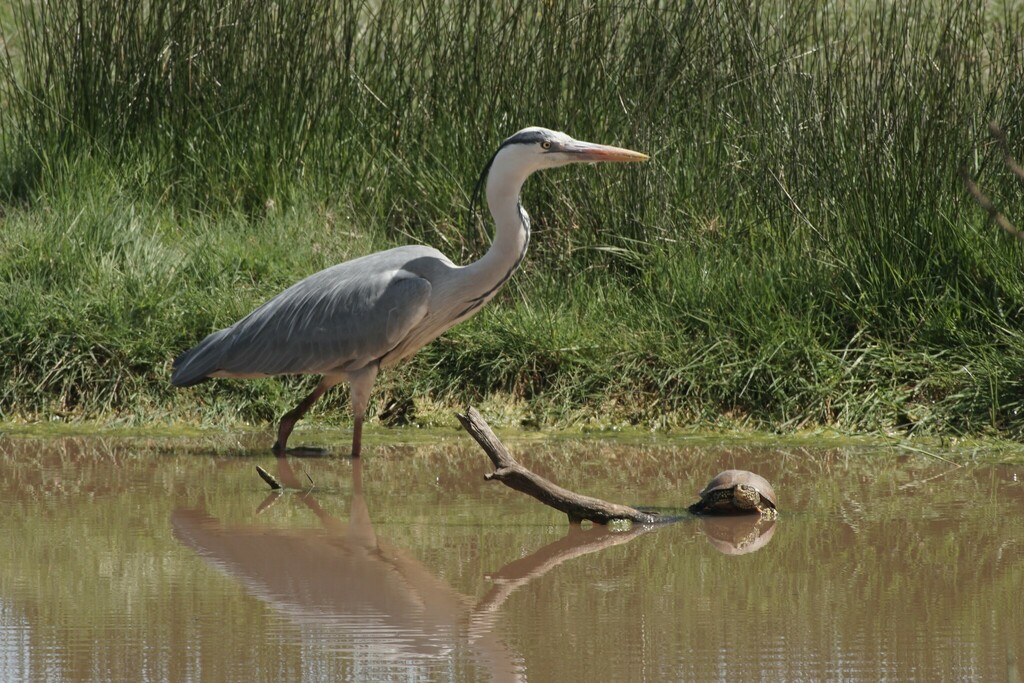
(589, 152)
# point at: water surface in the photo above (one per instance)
(165, 560)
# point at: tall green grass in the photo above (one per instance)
(798, 252)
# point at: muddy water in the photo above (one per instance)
(161, 560)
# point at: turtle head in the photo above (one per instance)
(746, 497)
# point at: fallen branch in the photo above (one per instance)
(510, 473)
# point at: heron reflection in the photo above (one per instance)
(346, 587)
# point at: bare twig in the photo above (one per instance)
(929, 454)
(982, 199)
(984, 202)
(1011, 163)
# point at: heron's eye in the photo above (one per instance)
(546, 144)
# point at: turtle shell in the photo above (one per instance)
(730, 479)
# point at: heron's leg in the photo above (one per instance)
(361, 382)
(284, 430)
(357, 436)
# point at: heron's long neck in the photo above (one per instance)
(511, 236)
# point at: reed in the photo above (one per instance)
(799, 252)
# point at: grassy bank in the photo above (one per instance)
(798, 252)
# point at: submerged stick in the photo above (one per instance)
(269, 478)
(510, 473)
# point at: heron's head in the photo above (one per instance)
(535, 149)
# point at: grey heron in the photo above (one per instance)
(348, 321)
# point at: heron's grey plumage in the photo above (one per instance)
(348, 321)
(339, 319)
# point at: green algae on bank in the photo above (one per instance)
(786, 259)
(334, 441)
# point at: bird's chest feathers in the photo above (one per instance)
(430, 328)
(437, 321)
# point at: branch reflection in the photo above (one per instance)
(346, 587)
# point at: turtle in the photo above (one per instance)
(737, 492)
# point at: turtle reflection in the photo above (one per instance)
(738, 535)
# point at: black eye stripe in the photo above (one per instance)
(530, 137)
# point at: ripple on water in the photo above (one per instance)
(134, 559)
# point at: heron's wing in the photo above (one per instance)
(343, 317)
(331, 321)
